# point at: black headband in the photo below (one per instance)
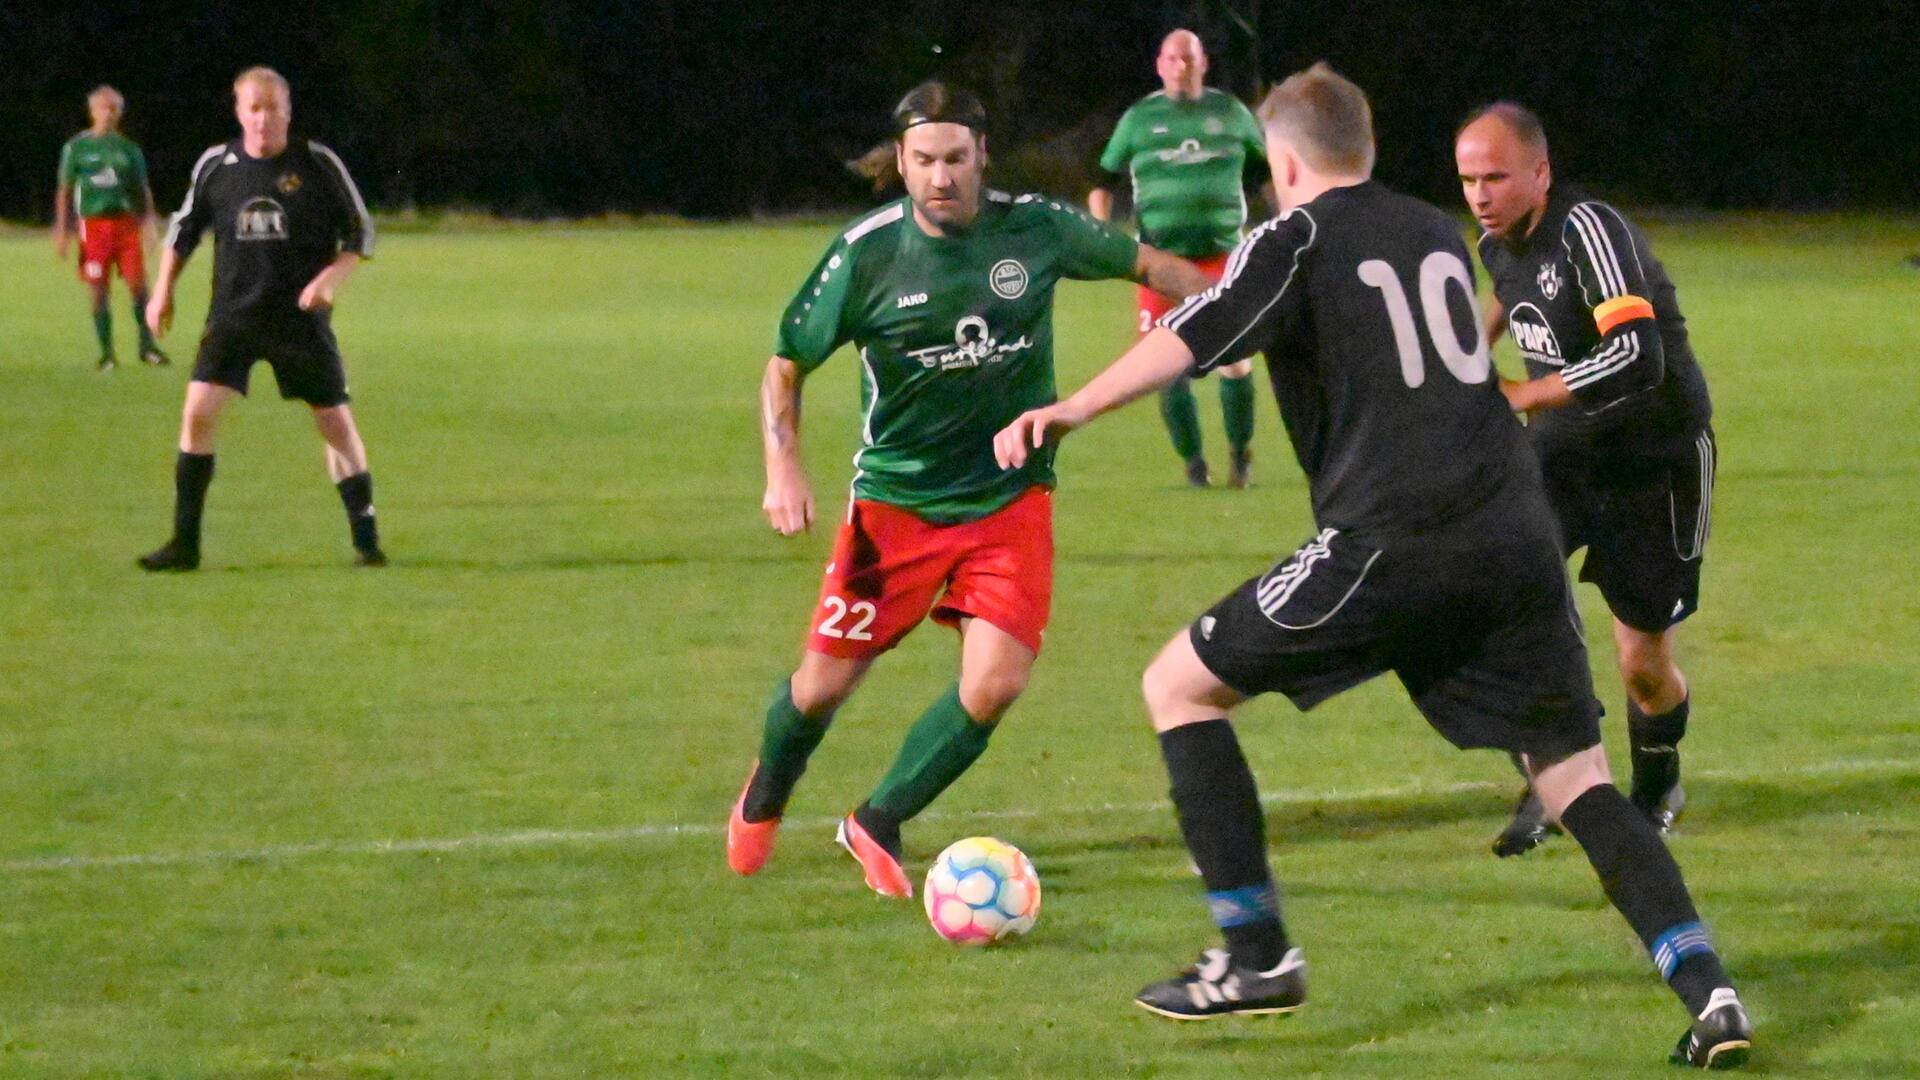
(932, 103)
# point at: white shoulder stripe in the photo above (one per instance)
(194, 180)
(1599, 250)
(1246, 246)
(353, 192)
(879, 220)
(1633, 245)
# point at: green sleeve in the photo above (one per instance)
(1118, 154)
(1249, 131)
(1091, 250)
(816, 322)
(66, 165)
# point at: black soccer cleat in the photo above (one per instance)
(1656, 786)
(1528, 829)
(1720, 1039)
(1216, 986)
(152, 355)
(1198, 475)
(171, 556)
(1241, 469)
(370, 557)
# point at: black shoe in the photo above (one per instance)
(106, 363)
(1216, 986)
(152, 355)
(1528, 829)
(1240, 474)
(369, 557)
(1197, 472)
(1720, 1039)
(172, 555)
(1656, 785)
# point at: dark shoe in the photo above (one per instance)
(1720, 1039)
(1197, 473)
(172, 555)
(1216, 986)
(369, 557)
(152, 355)
(1528, 829)
(1241, 474)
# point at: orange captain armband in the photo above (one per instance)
(1619, 310)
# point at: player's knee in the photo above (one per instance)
(1648, 674)
(1165, 693)
(1237, 371)
(988, 695)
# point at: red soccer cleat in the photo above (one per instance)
(884, 872)
(749, 843)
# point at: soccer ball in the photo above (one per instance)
(981, 890)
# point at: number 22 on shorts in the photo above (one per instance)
(839, 610)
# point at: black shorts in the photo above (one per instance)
(1482, 632)
(301, 350)
(1645, 528)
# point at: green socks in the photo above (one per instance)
(103, 329)
(1183, 418)
(943, 743)
(1236, 405)
(140, 321)
(788, 740)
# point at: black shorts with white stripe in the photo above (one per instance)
(1645, 528)
(1480, 628)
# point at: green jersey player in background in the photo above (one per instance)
(1187, 150)
(103, 186)
(948, 296)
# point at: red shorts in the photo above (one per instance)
(109, 241)
(890, 567)
(1152, 305)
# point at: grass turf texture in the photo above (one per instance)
(569, 660)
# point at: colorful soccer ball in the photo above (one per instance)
(981, 890)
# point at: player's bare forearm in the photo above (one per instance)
(788, 502)
(61, 222)
(1153, 363)
(319, 293)
(1527, 395)
(1494, 322)
(1169, 275)
(1100, 204)
(160, 303)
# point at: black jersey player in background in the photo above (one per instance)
(1620, 420)
(1436, 559)
(289, 227)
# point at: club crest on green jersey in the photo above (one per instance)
(1008, 278)
(973, 344)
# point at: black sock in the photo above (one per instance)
(1218, 806)
(191, 475)
(1656, 765)
(356, 494)
(140, 321)
(1644, 883)
(882, 826)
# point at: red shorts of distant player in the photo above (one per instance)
(891, 568)
(108, 241)
(1152, 305)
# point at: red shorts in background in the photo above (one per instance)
(108, 241)
(1152, 305)
(891, 568)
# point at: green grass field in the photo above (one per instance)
(460, 818)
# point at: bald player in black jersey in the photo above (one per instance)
(1620, 419)
(1436, 559)
(289, 226)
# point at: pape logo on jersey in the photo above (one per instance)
(1549, 280)
(261, 219)
(973, 345)
(1008, 278)
(1534, 335)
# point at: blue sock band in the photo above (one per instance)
(1247, 904)
(1676, 944)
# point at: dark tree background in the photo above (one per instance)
(543, 107)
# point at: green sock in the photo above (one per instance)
(1182, 417)
(788, 739)
(140, 322)
(1236, 405)
(103, 329)
(941, 745)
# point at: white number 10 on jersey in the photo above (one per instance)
(1436, 270)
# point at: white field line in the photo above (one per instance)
(531, 838)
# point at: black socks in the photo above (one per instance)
(1218, 806)
(356, 494)
(191, 475)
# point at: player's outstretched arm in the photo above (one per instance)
(1152, 364)
(62, 228)
(160, 304)
(788, 502)
(1169, 275)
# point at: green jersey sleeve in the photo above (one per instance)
(1119, 151)
(67, 176)
(1091, 250)
(816, 321)
(1248, 129)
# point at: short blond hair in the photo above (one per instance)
(1325, 118)
(260, 73)
(105, 91)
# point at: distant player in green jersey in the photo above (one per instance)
(948, 296)
(1188, 151)
(103, 179)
